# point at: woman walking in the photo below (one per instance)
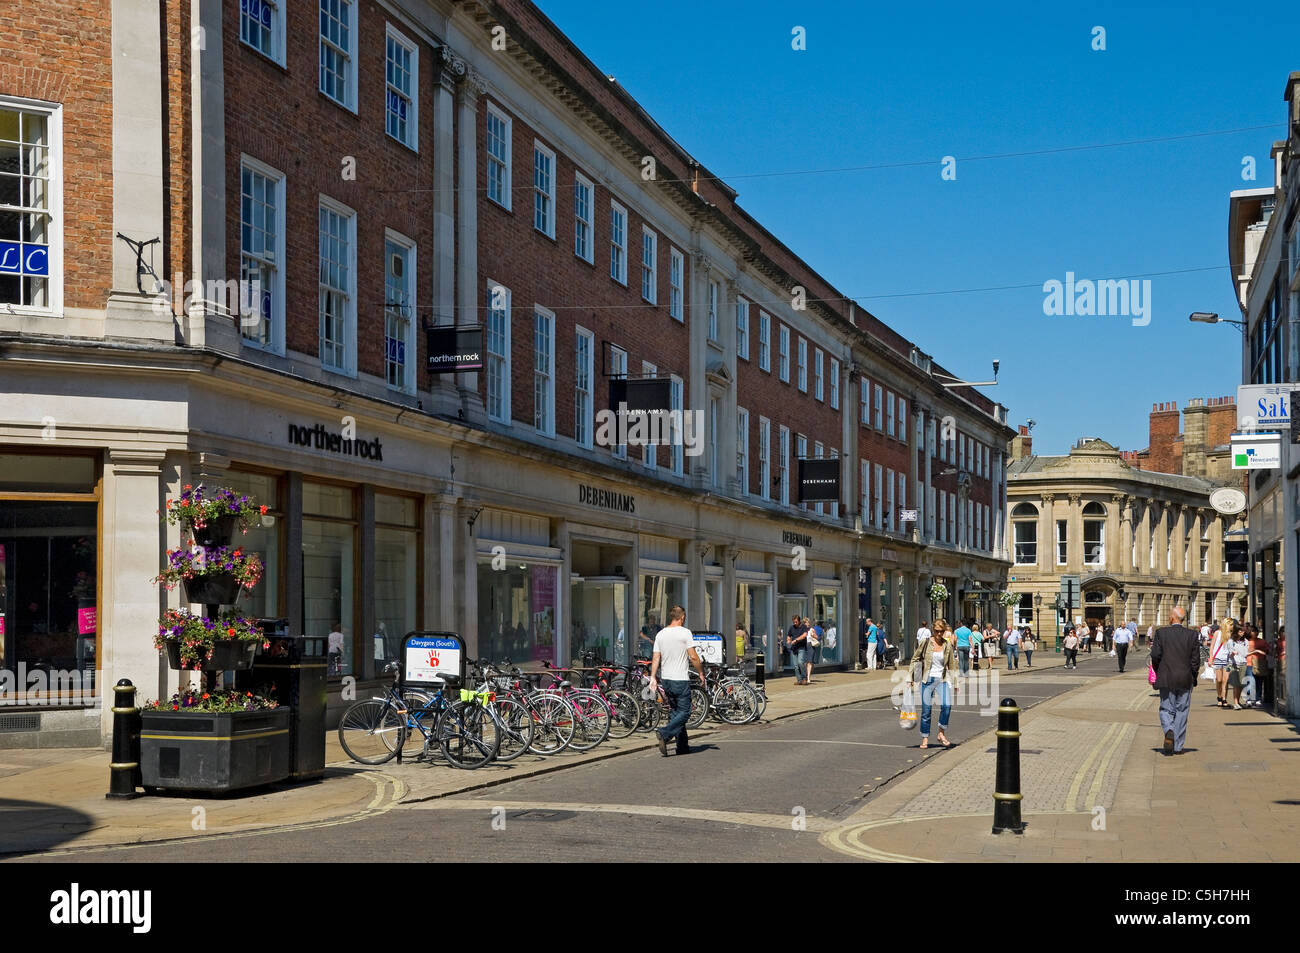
(1027, 645)
(1220, 656)
(935, 663)
(1238, 657)
(1072, 649)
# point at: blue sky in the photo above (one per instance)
(907, 83)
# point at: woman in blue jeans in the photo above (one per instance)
(935, 664)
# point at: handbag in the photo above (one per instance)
(1151, 674)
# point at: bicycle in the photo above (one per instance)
(375, 730)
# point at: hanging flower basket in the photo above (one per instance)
(1009, 599)
(212, 514)
(938, 593)
(227, 643)
(211, 576)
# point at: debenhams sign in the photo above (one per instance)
(606, 499)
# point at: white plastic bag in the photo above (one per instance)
(907, 713)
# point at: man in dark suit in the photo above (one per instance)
(1176, 657)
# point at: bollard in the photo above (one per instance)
(760, 669)
(124, 769)
(1006, 791)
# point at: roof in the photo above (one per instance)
(1048, 468)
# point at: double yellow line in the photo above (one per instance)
(1117, 735)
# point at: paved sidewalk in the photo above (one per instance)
(1097, 787)
(53, 798)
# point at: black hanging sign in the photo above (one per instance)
(451, 349)
(819, 481)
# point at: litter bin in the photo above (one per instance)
(292, 671)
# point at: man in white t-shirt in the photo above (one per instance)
(674, 655)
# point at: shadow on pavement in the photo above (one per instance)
(30, 826)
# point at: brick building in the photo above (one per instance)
(373, 172)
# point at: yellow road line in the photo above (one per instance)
(747, 818)
(1082, 774)
(1121, 739)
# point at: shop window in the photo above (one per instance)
(754, 618)
(826, 613)
(329, 533)
(659, 593)
(397, 547)
(263, 540)
(517, 611)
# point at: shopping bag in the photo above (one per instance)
(1112, 653)
(1151, 674)
(907, 713)
(1208, 672)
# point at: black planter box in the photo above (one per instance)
(217, 753)
(218, 588)
(292, 672)
(217, 532)
(228, 655)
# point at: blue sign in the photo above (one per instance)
(24, 258)
(396, 350)
(257, 10)
(397, 105)
(427, 657)
(709, 646)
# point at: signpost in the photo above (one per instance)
(709, 646)
(1264, 406)
(427, 657)
(1257, 451)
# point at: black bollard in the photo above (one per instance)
(1006, 791)
(124, 769)
(760, 670)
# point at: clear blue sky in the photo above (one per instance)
(881, 84)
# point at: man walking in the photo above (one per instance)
(674, 647)
(1122, 639)
(1176, 657)
(1013, 648)
(796, 638)
(963, 635)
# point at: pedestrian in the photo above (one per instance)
(1256, 669)
(1123, 637)
(795, 638)
(962, 635)
(1013, 649)
(873, 643)
(934, 664)
(1220, 657)
(1238, 650)
(810, 650)
(674, 656)
(976, 648)
(1151, 633)
(1107, 634)
(1176, 658)
(1028, 644)
(1072, 649)
(927, 629)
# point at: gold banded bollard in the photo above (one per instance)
(1006, 791)
(124, 770)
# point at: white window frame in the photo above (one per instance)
(742, 327)
(501, 360)
(275, 30)
(835, 383)
(889, 413)
(618, 242)
(878, 405)
(834, 454)
(618, 368)
(505, 198)
(864, 491)
(584, 229)
(715, 477)
(544, 376)
(676, 391)
(742, 449)
(864, 402)
(650, 452)
(276, 336)
(902, 419)
(801, 365)
(584, 396)
(783, 463)
(349, 343)
(544, 195)
(783, 354)
(1061, 541)
(676, 284)
(877, 500)
(764, 341)
(649, 269)
(901, 477)
(890, 511)
(800, 453)
(412, 140)
(408, 341)
(1016, 524)
(764, 458)
(53, 115)
(349, 55)
(819, 374)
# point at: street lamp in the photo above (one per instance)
(1209, 317)
(1038, 604)
(1059, 606)
(950, 382)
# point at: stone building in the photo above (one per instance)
(1141, 541)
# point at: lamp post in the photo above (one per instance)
(1038, 604)
(1059, 606)
(1208, 317)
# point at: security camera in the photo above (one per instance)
(995, 367)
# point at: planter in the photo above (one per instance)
(227, 655)
(217, 532)
(217, 753)
(211, 589)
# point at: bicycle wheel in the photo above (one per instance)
(420, 711)
(592, 721)
(734, 702)
(627, 713)
(372, 731)
(515, 725)
(468, 735)
(760, 697)
(651, 715)
(553, 722)
(699, 707)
